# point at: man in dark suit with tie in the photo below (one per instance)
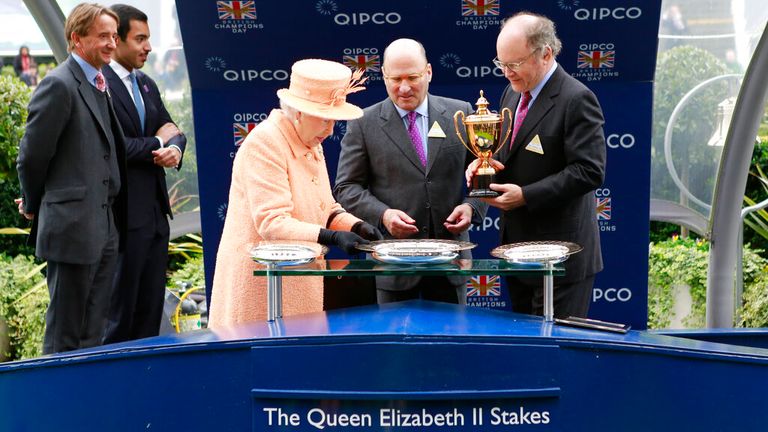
(71, 168)
(552, 165)
(400, 169)
(153, 143)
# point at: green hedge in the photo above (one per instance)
(685, 261)
(23, 301)
(14, 98)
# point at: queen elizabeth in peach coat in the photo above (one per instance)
(280, 190)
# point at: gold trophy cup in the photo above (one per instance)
(483, 133)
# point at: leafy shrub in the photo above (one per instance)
(23, 301)
(754, 309)
(14, 98)
(685, 261)
(190, 272)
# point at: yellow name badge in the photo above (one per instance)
(436, 131)
(535, 146)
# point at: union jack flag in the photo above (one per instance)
(603, 208)
(480, 7)
(596, 59)
(240, 131)
(368, 62)
(238, 10)
(484, 286)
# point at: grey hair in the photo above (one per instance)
(289, 110)
(540, 33)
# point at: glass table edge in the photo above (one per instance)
(458, 267)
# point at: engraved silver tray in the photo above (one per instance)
(537, 252)
(286, 253)
(418, 251)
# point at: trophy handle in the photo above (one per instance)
(511, 123)
(456, 127)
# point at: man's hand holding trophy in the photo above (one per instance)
(484, 131)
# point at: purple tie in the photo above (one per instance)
(101, 85)
(413, 132)
(522, 111)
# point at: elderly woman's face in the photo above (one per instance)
(313, 130)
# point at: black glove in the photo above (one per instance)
(346, 240)
(367, 231)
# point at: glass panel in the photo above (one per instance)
(464, 267)
(704, 47)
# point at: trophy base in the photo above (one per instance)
(480, 187)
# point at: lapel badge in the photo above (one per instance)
(436, 131)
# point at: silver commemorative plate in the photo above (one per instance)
(541, 252)
(416, 259)
(286, 253)
(415, 247)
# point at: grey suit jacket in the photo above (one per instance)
(559, 181)
(64, 170)
(379, 169)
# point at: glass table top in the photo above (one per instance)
(468, 267)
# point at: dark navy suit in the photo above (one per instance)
(558, 179)
(138, 296)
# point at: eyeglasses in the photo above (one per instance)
(514, 67)
(412, 78)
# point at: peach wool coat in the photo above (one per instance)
(280, 190)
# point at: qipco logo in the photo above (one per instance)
(597, 47)
(616, 141)
(602, 192)
(252, 74)
(478, 71)
(598, 14)
(611, 295)
(362, 18)
(361, 51)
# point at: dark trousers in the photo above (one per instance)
(571, 299)
(435, 288)
(80, 295)
(139, 286)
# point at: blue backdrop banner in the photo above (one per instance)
(239, 53)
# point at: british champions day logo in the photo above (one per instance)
(596, 61)
(485, 291)
(237, 16)
(604, 210)
(479, 14)
(243, 125)
(367, 59)
(330, 8)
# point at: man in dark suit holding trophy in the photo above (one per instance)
(400, 169)
(548, 172)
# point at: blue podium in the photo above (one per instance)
(403, 366)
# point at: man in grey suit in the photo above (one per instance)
(71, 168)
(553, 164)
(400, 169)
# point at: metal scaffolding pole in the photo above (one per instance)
(50, 19)
(730, 187)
